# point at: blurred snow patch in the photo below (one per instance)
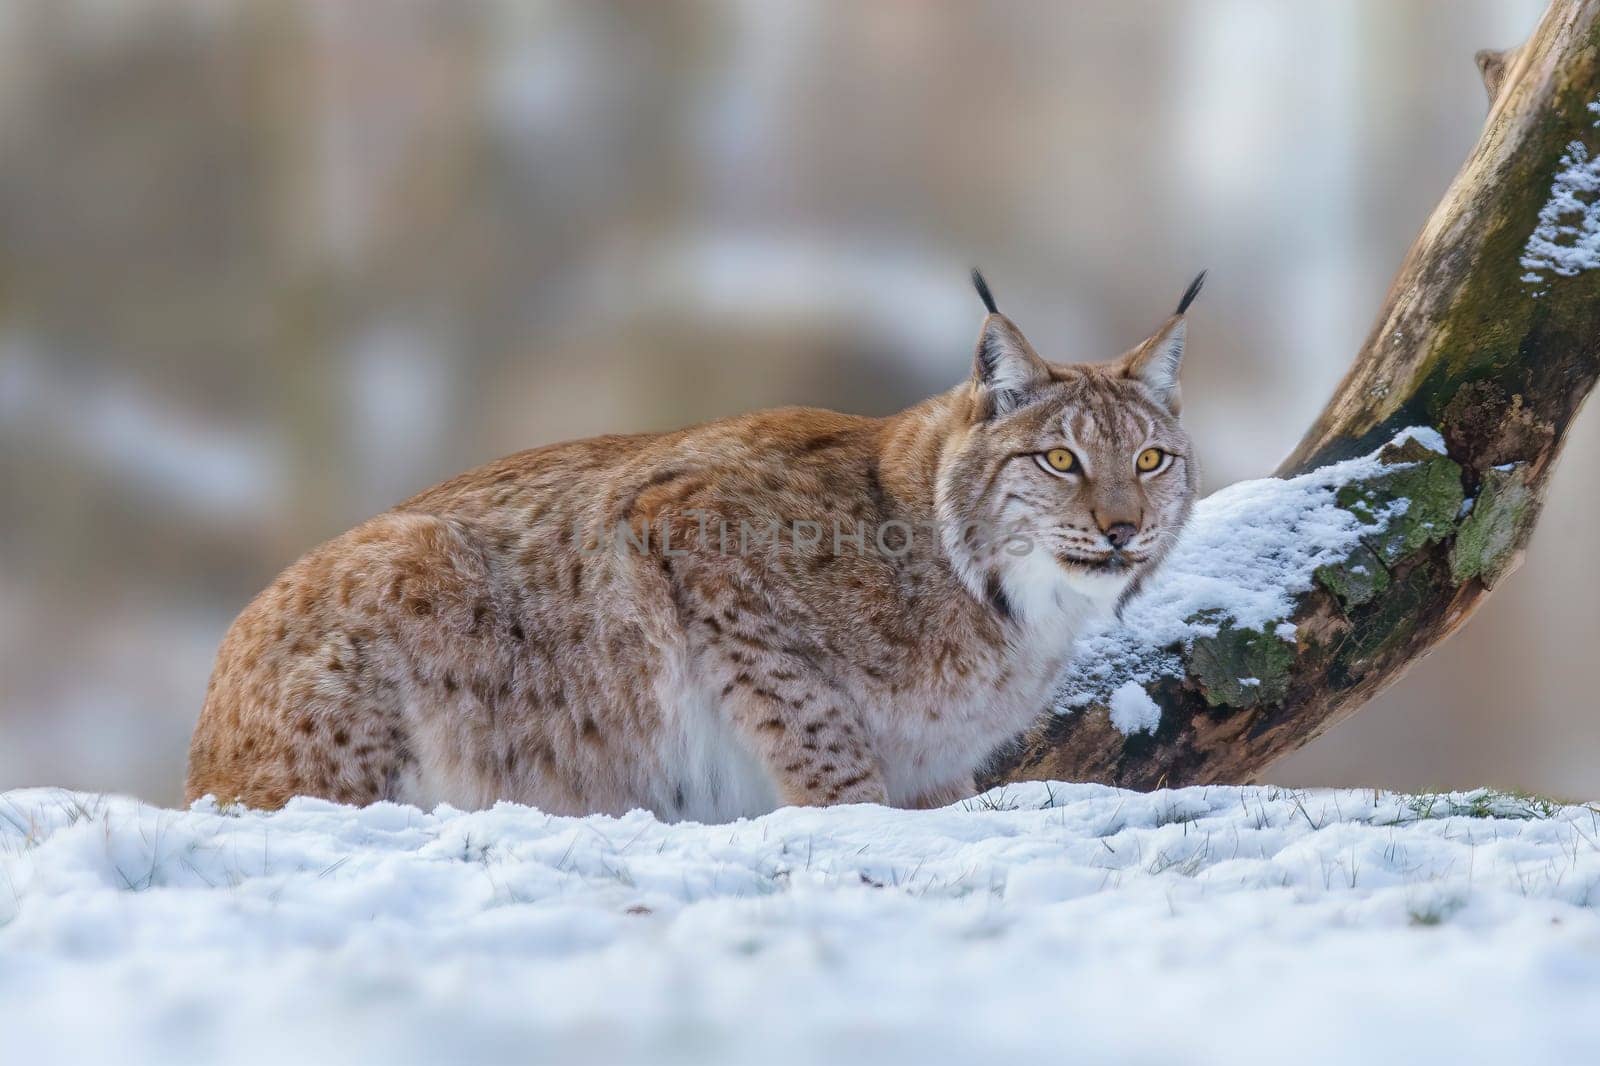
(217, 471)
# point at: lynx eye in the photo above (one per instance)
(1150, 460)
(1058, 461)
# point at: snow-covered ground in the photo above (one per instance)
(1075, 921)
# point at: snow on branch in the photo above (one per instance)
(1227, 594)
(1567, 238)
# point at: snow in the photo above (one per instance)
(1566, 240)
(1132, 709)
(1247, 551)
(1200, 925)
(1426, 436)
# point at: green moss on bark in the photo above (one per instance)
(1241, 667)
(1357, 579)
(1486, 544)
(1412, 505)
(1393, 619)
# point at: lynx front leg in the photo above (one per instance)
(945, 795)
(809, 737)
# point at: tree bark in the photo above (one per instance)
(1488, 334)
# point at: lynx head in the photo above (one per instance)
(1066, 475)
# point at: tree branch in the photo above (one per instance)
(1490, 334)
(1493, 66)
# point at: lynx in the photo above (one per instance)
(787, 607)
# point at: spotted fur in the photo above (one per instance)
(493, 639)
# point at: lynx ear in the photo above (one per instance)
(1005, 369)
(1155, 363)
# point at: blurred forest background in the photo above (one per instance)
(267, 268)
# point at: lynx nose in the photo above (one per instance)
(1120, 533)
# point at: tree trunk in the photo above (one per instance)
(1491, 334)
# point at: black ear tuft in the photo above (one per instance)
(983, 291)
(1190, 293)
